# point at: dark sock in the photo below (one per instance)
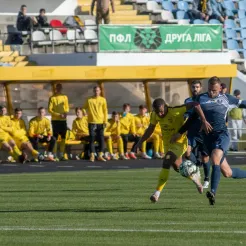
(215, 178)
(238, 173)
(192, 158)
(206, 168)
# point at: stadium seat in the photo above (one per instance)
(71, 36)
(198, 21)
(58, 24)
(183, 22)
(56, 36)
(90, 24)
(242, 5)
(244, 44)
(241, 14)
(141, 1)
(230, 34)
(90, 36)
(243, 33)
(233, 45)
(168, 6)
(230, 24)
(244, 54)
(183, 6)
(39, 38)
(181, 15)
(229, 5)
(167, 16)
(214, 21)
(153, 7)
(243, 23)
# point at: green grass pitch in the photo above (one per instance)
(113, 208)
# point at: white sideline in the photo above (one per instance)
(16, 228)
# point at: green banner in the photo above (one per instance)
(160, 37)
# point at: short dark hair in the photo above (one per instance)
(78, 108)
(18, 110)
(42, 10)
(142, 107)
(214, 80)
(1, 107)
(40, 108)
(125, 105)
(23, 6)
(194, 82)
(236, 92)
(114, 113)
(97, 86)
(158, 102)
(223, 85)
(59, 85)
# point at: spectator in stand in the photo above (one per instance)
(42, 19)
(201, 9)
(102, 10)
(236, 118)
(175, 100)
(24, 22)
(223, 88)
(218, 10)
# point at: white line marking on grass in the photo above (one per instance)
(125, 167)
(94, 166)
(65, 166)
(16, 228)
(9, 165)
(198, 223)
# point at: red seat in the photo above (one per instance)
(58, 24)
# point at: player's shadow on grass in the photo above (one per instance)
(111, 210)
(47, 191)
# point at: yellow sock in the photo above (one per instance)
(161, 145)
(156, 143)
(35, 153)
(110, 145)
(16, 150)
(120, 146)
(144, 147)
(163, 177)
(100, 154)
(62, 146)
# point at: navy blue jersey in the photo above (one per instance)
(215, 109)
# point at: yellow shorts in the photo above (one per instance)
(4, 138)
(20, 138)
(107, 134)
(177, 148)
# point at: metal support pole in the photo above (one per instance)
(147, 95)
(101, 84)
(230, 86)
(8, 98)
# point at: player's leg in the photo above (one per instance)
(63, 133)
(161, 149)
(233, 133)
(120, 147)
(144, 155)
(6, 147)
(168, 161)
(206, 169)
(135, 140)
(16, 151)
(156, 144)
(55, 134)
(92, 138)
(100, 139)
(51, 144)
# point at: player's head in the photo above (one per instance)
(18, 113)
(97, 91)
(214, 87)
(159, 106)
(41, 112)
(23, 9)
(237, 94)
(223, 88)
(42, 12)
(1, 110)
(4, 109)
(142, 110)
(115, 116)
(78, 112)
(59, 88)
(126, 107)
(196, 87)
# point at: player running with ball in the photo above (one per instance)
(215, 107)
(170, 120)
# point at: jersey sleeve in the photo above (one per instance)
(181, 110)
(153, 119)
(233, 101)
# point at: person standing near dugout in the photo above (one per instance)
(58, 108)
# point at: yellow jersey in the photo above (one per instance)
(58, 104)
(141, 124)
(6, 124)
(38, 126)
(80, 126)
(97, 110)
(171, 123)
(18, 124)
(127, 124)
(113, 127)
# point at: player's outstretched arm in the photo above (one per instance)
(149, 131)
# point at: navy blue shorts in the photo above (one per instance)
(197, 143)
(217, 140)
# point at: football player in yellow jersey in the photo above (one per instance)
(128, 131)
(114, 128)
(40, 132)
(97, 110)
(141, 124)
(59, 108)
(157, 131)
(170, 120)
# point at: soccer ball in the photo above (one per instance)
(188, 168)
